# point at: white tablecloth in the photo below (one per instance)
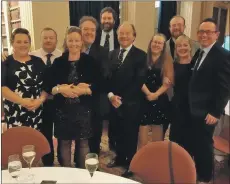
(66, 175)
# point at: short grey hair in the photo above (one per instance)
(88, 18)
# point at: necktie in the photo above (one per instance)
(106, 45)
(198, 60)
(48, 61)
(172, 47)
(120, 57)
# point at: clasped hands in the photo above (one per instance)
(73, 91)
(31, 104)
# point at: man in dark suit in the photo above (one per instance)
(101, 105)
(128, 71)
(209, 91)
(106, 35)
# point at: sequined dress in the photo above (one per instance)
(154, 112)
(73, 117)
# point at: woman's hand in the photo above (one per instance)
(152, 96)
(36, 104)
(68, 91)
(27, 103)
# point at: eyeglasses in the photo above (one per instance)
(208, 32)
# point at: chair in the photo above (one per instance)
(15, 138)
(164, 162)
(221, 142)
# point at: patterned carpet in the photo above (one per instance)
(106, 155)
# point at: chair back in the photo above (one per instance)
(163, 162)
(15, 138)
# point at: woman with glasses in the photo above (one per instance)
(155, 105)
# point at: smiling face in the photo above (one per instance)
(21, 44)
(107, 21)
(183, 47)
(157, 44)
(48, 40)
(207, 34)
(74, 42)
(125, 35)
(88, 29)
(177, 27)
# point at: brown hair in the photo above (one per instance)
(71, 29)
(88, 18)
(165, 60)
(19, 31)
(49, 29)
(110, 10)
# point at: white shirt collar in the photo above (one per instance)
(128, 48)
(207, 49)
(110, 33)
(54, 53)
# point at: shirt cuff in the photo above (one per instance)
(110, 94)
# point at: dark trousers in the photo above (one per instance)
(200, 146)
(47, 130)
(95, 140)
(125, 124)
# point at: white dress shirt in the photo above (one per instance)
(111, 39)
(110, 94)
(206, 51)
(42, 54)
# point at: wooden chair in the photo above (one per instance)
(15, 138)
(164, 162)
(221, 142)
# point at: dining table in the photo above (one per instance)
(63, 175)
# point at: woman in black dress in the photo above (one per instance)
(155, 106)
(73, 78)
(22, 82)
(179, 131)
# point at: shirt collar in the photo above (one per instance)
(207, 49)
(128, 48)
(110, 33)
(44, 53)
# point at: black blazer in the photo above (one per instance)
(209, 88)
(98, 38)
(128, 80)
(88, 72)
(101, 103)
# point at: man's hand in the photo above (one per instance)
(211, 120)
(116, 101)
(152, 96)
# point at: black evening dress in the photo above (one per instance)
(26, 80)
(155, 112)
(73, 115)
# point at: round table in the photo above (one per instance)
(66, 175)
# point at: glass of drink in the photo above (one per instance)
(28, 154)
(91, 163)
(14, 166)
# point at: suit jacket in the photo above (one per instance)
(128, 80)
(88, 72)
(195, 47)
(98, 38)
(101, 104)
(209, 88)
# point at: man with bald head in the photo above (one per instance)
(127, 76)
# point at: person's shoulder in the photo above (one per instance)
(37, 60)
(36, 53)
(195, 43)
(138, 51)
(220, 50)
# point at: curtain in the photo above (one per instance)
(168, 9)
(91, 8)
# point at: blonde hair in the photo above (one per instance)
(183, 38)
(71, 29)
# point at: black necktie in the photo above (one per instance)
(120, 57)
(172, 47)
(48, 61)
(106, 45)
(198, 60)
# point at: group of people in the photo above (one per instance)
(101, 75)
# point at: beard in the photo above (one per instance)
(176, 34)
(107, 27)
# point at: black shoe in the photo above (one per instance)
(127, 174)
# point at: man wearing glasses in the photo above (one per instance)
(209, 91)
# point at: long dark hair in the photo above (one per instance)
(165, 61)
